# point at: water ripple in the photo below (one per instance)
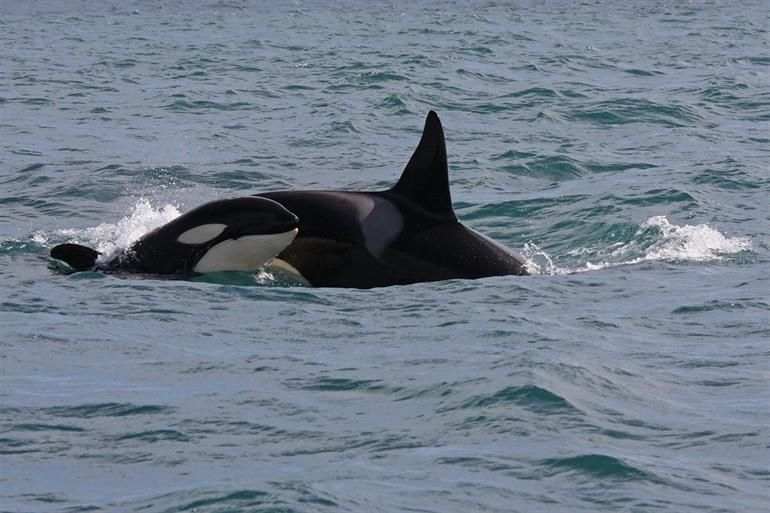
(530, 397)
(598, 465)
(87, 411)
(633, 110)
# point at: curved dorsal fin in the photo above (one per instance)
(425, 179)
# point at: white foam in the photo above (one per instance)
(40, 237)
(537, 261)
(655, 240)
(694, 243)
(108, 237)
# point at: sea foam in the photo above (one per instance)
(655, 240)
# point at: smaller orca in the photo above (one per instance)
(240, 234)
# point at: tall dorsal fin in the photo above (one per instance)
(425, 179)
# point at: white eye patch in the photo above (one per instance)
(201, 234)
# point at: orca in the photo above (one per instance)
(239, 234)
(403, 235)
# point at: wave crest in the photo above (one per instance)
(694, 243)
(655, 240)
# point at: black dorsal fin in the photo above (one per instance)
(80, 258)
(425, 179)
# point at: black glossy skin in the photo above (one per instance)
(159, 252)
(405, 235)
(341, 245)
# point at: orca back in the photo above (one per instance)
(406, 234)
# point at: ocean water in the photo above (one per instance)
(622, 147)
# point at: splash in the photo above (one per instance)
(537, 261)
(694, 243)
(655, 240)
(107, 237)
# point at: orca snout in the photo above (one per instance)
(287, 220)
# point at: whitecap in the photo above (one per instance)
(655, 240)
(695, 243)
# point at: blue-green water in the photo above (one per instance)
(622, 147)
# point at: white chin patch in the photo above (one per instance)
(247, 253)
(202, 233)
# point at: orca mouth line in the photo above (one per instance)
(275, 231)
(261, 230)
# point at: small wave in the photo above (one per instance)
(343, 127)
(202, 105)
(47, 427)
(642, 72)
(536, 92)
(395, 104)
(632, 110)
(285, 496)
(370, 77)
(341, 385)
(157, 435)
(655, 240)
(87, 411)
(9, 446)
(599, 465)
(724, 306)
(531, 397)
(11, 246)
(240, 499)
(32, 167)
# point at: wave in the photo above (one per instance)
(531, 397)
(203, 105)
(633, 110)
(88, 411)
(655, 240)
(599, 465)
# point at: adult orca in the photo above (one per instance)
(407, 234)
(240, 234)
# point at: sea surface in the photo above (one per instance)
(622, 147)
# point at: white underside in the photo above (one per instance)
(247, 253)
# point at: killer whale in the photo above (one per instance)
(239, 234)
(406, 234)
(403, 235)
